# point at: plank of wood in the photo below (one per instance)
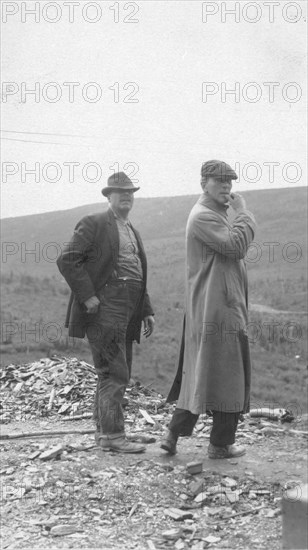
(146, 415)
(45, 434)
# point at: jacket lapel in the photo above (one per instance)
(113, 236)
(141, 252)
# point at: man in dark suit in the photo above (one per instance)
(106, 269)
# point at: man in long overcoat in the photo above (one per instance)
(105, 266)
(214, 366)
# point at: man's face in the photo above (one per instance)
(218, 190)
(121, 201)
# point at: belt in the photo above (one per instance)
(121, 280)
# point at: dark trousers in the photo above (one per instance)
(110, 335)
(223, 430)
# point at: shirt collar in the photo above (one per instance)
(124, 222)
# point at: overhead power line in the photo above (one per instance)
(46, 142)
(44, 134)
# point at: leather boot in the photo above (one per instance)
(118, 444)
(227, 451)
(169, 443)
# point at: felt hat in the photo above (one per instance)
(118, 181)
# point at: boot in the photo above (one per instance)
(117, 444)
(227, 451)
(169, 443)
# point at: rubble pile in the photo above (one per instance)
(67, 489)
(63, 388)
(161, 505)
(46, 387)
(59, 386)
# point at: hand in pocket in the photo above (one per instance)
(92, 304)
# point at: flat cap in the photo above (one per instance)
(217, 169)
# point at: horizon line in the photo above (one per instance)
(145, 198)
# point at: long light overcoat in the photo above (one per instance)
(214, 368)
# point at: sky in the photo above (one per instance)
(142, 87)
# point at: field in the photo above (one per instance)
(34, 296)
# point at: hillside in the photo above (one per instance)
(34, 295)
(281, 217)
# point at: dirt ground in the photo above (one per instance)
(112, 501)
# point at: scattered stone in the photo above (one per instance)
(167, 467)
(34, 455)
(94, 496)
(53, 452)
(143, 438)
(140, 491)
(61, 530)
(194, 467)
(212, 539)
(201, 497)
(214, 511)
(177, 514)
(215, 489)
(270, 431)
(200, 427)
(18, 387)
(198, 545)
(233, 496)
(172, 534)
(272, 513)
(196, 487)
(49, 523)
(229, 482)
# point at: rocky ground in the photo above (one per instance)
(59, 490)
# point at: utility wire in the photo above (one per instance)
(46, 142)
(44, 134)
(264, 150)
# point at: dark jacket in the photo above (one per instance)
(87, 263)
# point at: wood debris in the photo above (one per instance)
(147, 417)
(62, 530)
(177, 514)
(153, 501)
(53, 452)
(283, 415)
(47, 387)
(65, 387)
(171, 534)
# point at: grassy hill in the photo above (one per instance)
(34, 295)
(281, 216)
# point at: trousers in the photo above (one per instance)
(110, 335)
(223, 429)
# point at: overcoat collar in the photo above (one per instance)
(207, 201)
